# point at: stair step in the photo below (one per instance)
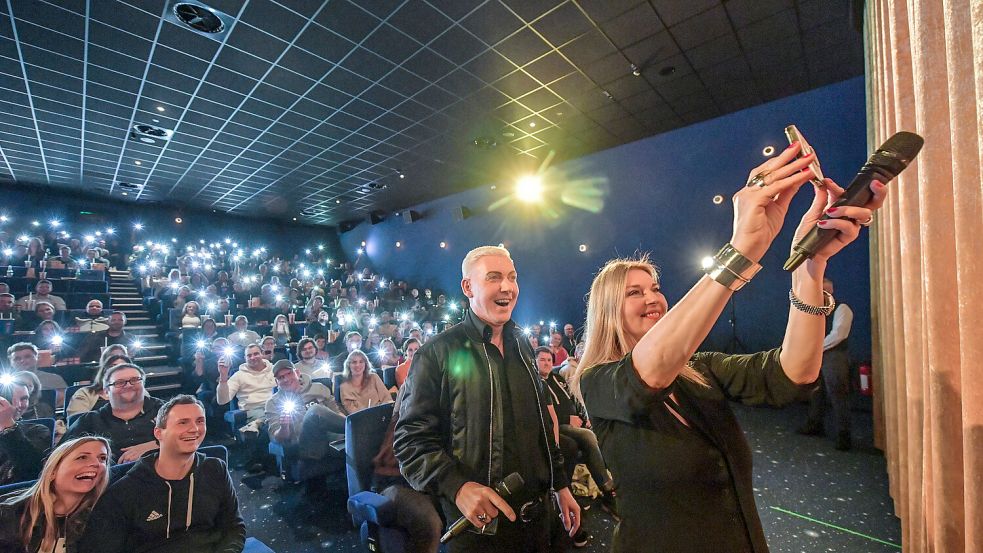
(156, 390)
(122, 304)
(163, 372)
(141, 327)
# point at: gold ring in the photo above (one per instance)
(759, 180)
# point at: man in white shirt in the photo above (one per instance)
(252, 386)
(834, 376)
(42, 292)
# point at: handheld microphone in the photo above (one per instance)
(884, 164)
(512, 484)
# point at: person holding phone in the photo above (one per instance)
(660, 410)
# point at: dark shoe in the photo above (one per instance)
(844, 441)
(811, 429)
(609, 502)
(580, 539)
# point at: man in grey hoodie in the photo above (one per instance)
(174, 500)
(303, 413)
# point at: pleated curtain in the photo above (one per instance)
(925, 75)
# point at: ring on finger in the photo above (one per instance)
(868, 221)
(482, 517)
(759, 179)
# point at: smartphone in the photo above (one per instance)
(793, 134)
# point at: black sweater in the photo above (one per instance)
(144, 513)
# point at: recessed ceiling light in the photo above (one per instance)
(768, 150)
(718, 199)
(126, 193)
(402, 176)
(443, 244)
(582, 248)
(532, 124)
(138, 162)
(295, 218)
(337, 201)
(160, 109)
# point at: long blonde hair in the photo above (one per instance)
(41, 495)
(347, 369)
(604, 330)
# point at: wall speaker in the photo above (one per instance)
(410, 216)
(460, 213)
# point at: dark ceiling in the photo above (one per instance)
(327, 111)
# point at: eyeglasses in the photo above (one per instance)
(127, 382)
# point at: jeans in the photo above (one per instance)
(417, 514)
(320, 427)
(587, 443)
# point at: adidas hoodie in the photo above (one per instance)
(143, 513)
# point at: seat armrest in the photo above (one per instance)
(373, 508)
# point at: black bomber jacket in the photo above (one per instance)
(452, 413)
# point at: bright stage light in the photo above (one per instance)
(529, 189)
(707, 262)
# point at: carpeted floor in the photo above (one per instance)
(811, 498)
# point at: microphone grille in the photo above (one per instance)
(513, 483)
(903, 146)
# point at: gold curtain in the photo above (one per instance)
(925, 75)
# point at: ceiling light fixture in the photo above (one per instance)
(768, 150)
(160, 109)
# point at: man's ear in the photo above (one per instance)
(157, 433)
(466, 287)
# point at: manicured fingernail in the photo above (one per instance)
(807, 156)
(792, 145)
(832, 210)
(823, 223)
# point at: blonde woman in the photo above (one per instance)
(660, 410)
(280, 330)
(360, 387)
(50, 515)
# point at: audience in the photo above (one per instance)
(35, 408)
(23, 356)
(190, 498)
(252, 386)
(242, 336)
(51, 514)
(360, 387)
(127, 420)
(307, 361)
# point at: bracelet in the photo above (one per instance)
(823, 310)
(731, 268)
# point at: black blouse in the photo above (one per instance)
(684, 488)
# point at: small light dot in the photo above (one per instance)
(363, 243)
(398, 244)
(138, 162)
(443, 244)
(768, 150)
(178, 220)
(337, 201)
(582, 248)
(532, 124)
(160, 109)
(125, 194)
(402, 176)
(295, 218)
(718, 199)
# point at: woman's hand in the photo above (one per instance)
(759, 211)
(845, 219)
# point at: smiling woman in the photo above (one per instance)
(50, 515)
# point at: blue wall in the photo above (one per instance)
(656, 197)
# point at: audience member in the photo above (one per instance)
(569, 339)
(307, 362)
(410, 346)
(93, 320)
(95, 395)
(35, 408)
(175, 499)
(360, 387)
(50, 515)
(23, 356)
(303, 413)
(353, 342)
(95, 342)
(42, 293)
(556, 347)
(127, 420)
(22, 444)
(49, 336)
(65, 258)
(242, 336)
(252, 386)
(574, 424)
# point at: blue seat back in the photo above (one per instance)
(48, 422)
(364, 432)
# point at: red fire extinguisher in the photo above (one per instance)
(866, 384)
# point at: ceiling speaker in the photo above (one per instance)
(410, 216)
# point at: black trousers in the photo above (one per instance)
(511, 537)
(835, 385)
